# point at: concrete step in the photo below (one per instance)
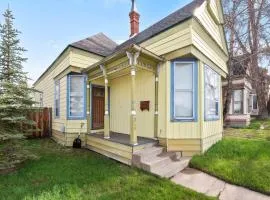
(171, 168)
(151, 151)
(151, 162)
(155, 162)
(146, 153)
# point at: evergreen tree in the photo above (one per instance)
(15, 96)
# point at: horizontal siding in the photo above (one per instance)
(208, 47)
(215, 9)
(207, 21)
(119, 152)
(83, 59)
(210, 141)
(171, 40)
(72, 57)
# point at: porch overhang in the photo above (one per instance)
(122, 53)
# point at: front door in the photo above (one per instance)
(98, 107)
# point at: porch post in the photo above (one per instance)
(106, 114)
(156, 100)
(133, 128)
(88, 92)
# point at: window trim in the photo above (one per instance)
(194, 63)
(57, 82)
(212, 118)
(83, 117)
(257, 105)
(242, 102)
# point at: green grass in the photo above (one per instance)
(62, 173)
(259, 123)
(238, 160)
(247, 134)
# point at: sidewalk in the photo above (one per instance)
(211, 186)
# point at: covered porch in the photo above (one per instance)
(118, 146)
(123, 115)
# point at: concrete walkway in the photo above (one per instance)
(211, 186)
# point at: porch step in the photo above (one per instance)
(157, 161)
(172, 168)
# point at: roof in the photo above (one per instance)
(173, 19)
(101, 45)
(98, 44)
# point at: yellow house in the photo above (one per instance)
(158, 91)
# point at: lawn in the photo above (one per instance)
(64, 173)
(259, 124)
(242, 158)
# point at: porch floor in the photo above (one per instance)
(123, 139)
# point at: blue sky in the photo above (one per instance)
(48, 26)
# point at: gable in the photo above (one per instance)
(210, 16)
(215, 8)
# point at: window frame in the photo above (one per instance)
(57, 83)
(242, 102)
(212, 117)
(194, 90)
(83, 117)
(255, 95)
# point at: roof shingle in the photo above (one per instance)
(98, 44)
(173, 19)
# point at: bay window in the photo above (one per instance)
(212, 93)
(76, 105)
(183, 90)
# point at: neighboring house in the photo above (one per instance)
(244, 104)
(163, 84)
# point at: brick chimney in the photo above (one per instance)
(134, 20)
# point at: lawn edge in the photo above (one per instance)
(228, 181)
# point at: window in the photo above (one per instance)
(76, 97)
(57, 99)
(250, 98)
(255, 102)
(183, 90)
(238, 101)
(212, 93)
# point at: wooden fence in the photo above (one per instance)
(43, 122)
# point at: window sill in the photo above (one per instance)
(76, 118)
(212, 119)
(184, 120)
